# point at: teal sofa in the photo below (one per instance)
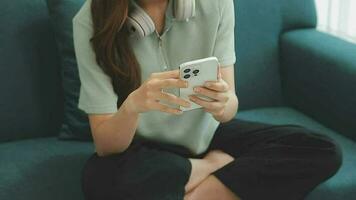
(286, 72)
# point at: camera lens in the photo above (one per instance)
(187, 76)
(186, 70)
(196, 71)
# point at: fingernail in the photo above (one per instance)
(196, 90)
(207, 84)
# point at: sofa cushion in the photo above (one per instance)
(45, 168)
(340, 186)
(318, 81)
(75, 123)
(31, 98)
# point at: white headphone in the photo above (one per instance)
(140, 23)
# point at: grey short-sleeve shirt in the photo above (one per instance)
(209, 33)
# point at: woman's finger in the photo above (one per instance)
(172, 83)
(165, 75)
(215, 105)
(212, 94)
(173, 99)
(220, 86)
(166, 109)
(158, 84)
(215, 112)
(219, 73)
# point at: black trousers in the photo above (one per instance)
(273, 162)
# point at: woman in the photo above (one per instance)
(128, 54)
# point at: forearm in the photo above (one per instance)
(115, 134)
(230, 109)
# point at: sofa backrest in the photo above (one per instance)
(31, 104)
(258, 26)
(31, 99)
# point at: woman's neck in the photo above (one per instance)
(156, 9)
(158, 4)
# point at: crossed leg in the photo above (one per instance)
(269, 157)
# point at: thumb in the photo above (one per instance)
(219, 72)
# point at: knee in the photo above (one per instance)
(328, 163)
(158, 175)
(325, 152)
(332, 158)
(171, 167)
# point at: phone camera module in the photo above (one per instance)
(186, 70)
(187, 76)
(196, 71)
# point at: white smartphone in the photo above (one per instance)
(197, 72)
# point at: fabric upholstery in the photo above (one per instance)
(75, 123)
(298, 14)
(258, 26)
(31, 99)
(319, 77)
(256, 71)
(42, 169)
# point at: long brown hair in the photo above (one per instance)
(111, 46)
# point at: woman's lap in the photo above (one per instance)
(268, 159)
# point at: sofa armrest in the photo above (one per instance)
(318, 73)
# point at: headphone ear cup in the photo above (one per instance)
(184, 9)
(139, 23)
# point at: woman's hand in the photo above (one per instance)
(147, 97)
(218, 91)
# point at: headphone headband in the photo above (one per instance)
(184, 9)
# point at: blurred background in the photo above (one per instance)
(337, 17)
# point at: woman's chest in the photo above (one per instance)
(181, 43)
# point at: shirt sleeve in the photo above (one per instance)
(97, 95)
(224, 48)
